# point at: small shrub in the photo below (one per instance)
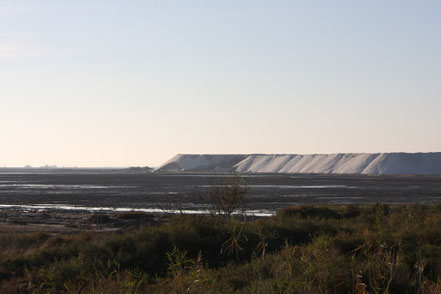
(227, 196)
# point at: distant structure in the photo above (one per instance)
(342, 163)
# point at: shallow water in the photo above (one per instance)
(164, 192)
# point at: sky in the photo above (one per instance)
(115, 83)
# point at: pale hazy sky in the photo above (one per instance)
(133, 82)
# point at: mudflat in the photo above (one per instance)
(71, 202)
(68, 221)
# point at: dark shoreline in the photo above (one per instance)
(71, 221)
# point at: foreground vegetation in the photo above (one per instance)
(307, 249)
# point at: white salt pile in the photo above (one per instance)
(349, 163)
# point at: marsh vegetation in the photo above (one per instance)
(304, 249)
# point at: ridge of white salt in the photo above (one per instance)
(342, 163)
(201, 162)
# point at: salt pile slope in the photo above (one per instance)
(357, 163)
(202, 163)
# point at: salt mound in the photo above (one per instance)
(348, 163)
(201, 162)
